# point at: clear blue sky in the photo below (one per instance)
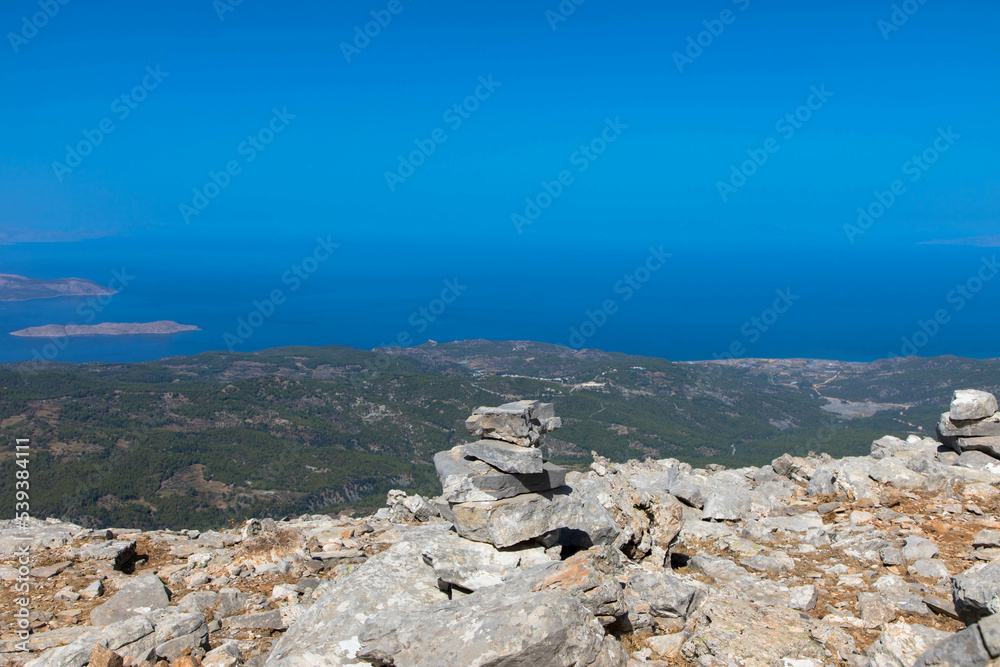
(891, 92)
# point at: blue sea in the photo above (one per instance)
(703, 301)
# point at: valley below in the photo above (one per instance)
(201, 441)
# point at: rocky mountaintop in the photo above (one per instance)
(888, 559)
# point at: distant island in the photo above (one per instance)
(105, 329)
(19, 288)
(985, 241)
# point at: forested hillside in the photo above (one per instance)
(200, 441)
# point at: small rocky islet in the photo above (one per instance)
(161, 328)
(890, 559)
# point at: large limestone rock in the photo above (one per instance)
(668, 595)
(522, 423)
(970, 404)
(396, 579)
(649, 517)
(738, 632)
(505, 456)
(503, 523)
(977, 592)
(139, 596)
(492, 628)
(464, 479)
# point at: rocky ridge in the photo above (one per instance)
(884, 560)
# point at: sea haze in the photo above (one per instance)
(850, 303)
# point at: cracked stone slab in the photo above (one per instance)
(469, 480)
(505, 456)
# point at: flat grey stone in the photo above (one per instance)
(265, 620)
(940, 606)
(50, 570)
(140, 595)
(118, 552)
(468, 480)
(506, 457)
(986, 538)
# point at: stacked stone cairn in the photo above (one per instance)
(499, 489)
(972, 424)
